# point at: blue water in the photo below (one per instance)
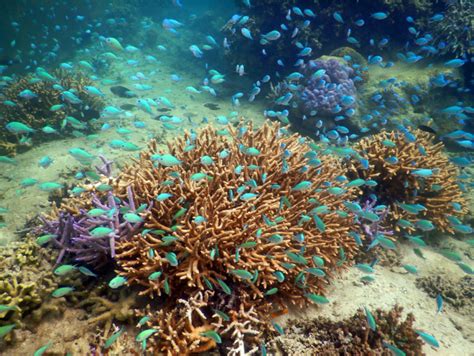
(384, 90)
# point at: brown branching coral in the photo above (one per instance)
(37, 113)
(242, 215)
(254, 215)
(181, 326)
(415, 172)
(352, 336)
(107, 311)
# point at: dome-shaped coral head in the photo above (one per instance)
(328, 88)
(411, 176)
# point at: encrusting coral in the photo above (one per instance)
(244, 224)
(25, 281)
(351, 336)
(38, 112)
(413, 177)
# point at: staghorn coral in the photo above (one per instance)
(254, 223)
(438, 192)
(208, 249)
(73, 227)
(351, 336)
(36, 112)
(181, 326)
(243, 217)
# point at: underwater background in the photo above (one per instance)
(236, 177)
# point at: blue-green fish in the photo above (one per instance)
(117, 282)
(50, 186)
(62, 291)
(5, 329)
(166, 160)
(303, 185)
(81, 155)
(16, 127)
(370, 319)
(428, 338)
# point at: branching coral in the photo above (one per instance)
(37, 112)
(352, 336)
(107, 310)
(242, 216)
(210, 218)
(413, 178)
(87, 238)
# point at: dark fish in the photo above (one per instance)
(127, 106)
(122, 91)
(163, 110)
(212, 106)
(427, 129)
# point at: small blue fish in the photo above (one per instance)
(439, 303)
(428, 338)
(338, 17)
(454, 63)
(379, 15)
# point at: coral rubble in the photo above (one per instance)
(459, 293)
(351, 336)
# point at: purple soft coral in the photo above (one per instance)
(74, 232)
(328, 88)
(372, 228)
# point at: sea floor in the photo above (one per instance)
(453, 327)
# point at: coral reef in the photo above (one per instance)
(352, 336)
(207, 233)
(37, 112)
(243, 217)
(413, 177)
